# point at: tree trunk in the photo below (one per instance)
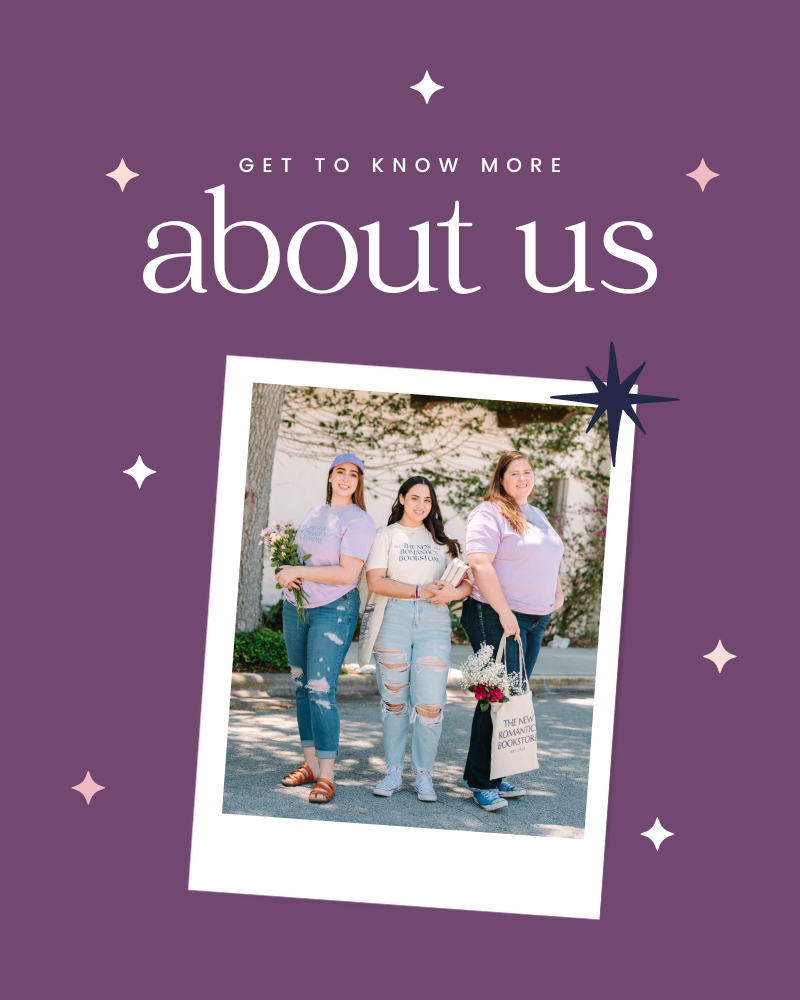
(265, 418)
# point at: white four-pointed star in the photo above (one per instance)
(657, 833)
(720, 656)
(122, 175)
(139, 472)
(427, 87)
(88, 787)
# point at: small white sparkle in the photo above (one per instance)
(122, 175)
(139, 472)
(657, 833)
(88, 787)
(720, 656)
(427, 87)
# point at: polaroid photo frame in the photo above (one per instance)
(548, 876)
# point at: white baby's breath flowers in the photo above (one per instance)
(483, 668)
(515, 685)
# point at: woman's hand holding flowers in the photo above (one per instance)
(288, 575)
(286, 559)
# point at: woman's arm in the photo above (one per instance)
(346, 572)
(379, 583)
(559, 595)
(486, 577)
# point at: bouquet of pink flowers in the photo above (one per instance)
(487, 679)
(283, 552)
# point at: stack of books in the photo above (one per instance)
(455, 573)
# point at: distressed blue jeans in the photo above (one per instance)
(412, 656)
(482, 624)
(316, 650)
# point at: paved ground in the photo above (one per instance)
(551, 662)
(263, 746)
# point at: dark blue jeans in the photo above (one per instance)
(482, 624)
(316, 650)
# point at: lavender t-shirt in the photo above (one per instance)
(327, 534)
(526, 565)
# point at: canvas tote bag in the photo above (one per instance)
(371, 618)
(514, 735)
(371, 622)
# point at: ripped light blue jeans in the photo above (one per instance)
(316, 650)
(412, 656)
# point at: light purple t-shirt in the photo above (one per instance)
(327, 533)
(526, 565)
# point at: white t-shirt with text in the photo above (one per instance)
(409, 555)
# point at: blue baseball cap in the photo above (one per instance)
(347, 458)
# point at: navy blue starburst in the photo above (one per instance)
(616, 398)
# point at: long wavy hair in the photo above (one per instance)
(497, 495)
(433, 522)
(358, 493)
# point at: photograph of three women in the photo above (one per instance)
(390, 583)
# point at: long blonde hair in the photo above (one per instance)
(497, 495)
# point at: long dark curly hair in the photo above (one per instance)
(433, 522)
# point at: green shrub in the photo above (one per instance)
(260, 650)
(273, 616)
(458, 632)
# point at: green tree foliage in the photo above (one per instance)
(389, 431)
(585, 535)
(456, 442)
(552, 446)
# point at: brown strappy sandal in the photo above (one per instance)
(324, 788)
(302, 776)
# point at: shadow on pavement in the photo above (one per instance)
(263, 746)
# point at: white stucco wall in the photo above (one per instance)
(299, 484)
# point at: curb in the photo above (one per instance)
(271, 691)
(249, 687)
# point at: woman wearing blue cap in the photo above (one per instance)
(337, 537)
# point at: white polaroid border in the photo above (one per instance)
(551, 876)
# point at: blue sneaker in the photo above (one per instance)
(507, 791)
(488, 799)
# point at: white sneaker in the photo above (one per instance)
(392, 783)
(424, 787)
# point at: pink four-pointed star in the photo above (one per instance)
(719, 656)
(88, 787)
(122, 175)
(702, 175)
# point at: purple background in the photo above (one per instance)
(108, 585)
